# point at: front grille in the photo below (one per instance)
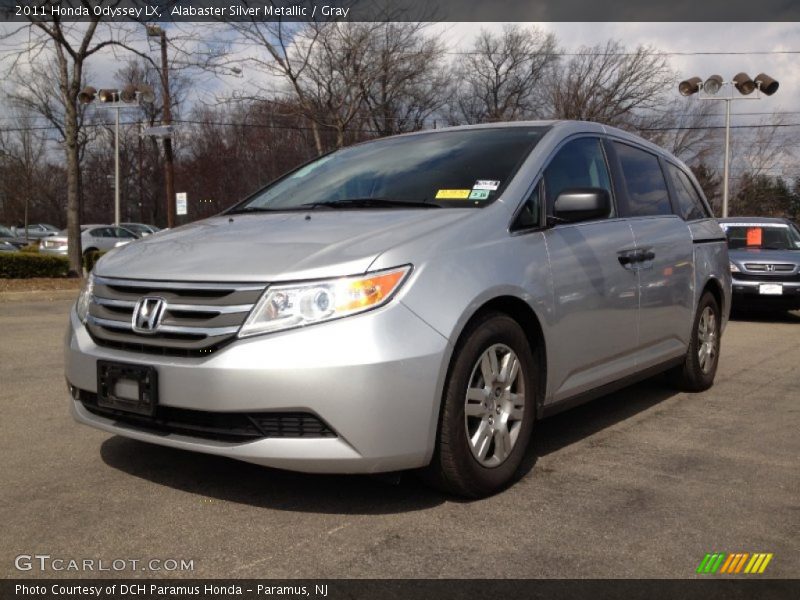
(222, 426)
(198, 318)
(769, 268)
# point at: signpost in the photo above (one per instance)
(180, 203)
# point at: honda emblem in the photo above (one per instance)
(147, 314)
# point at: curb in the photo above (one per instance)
(38, 295)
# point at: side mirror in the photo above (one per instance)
(582, 204)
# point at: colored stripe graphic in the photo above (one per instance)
(755, 562)
(735, 563)
(718, 562)
(764, 564)
(744, 557)
(703, 563)
(727, 564)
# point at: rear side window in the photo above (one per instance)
(690, 206)
(578, 164)
(644, 180)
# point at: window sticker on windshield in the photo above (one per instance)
(452, 194)
(754, 236)
(486, 184)
(479, 194)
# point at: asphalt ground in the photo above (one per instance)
(642, 483)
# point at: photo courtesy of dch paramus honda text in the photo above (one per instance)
(413, 302)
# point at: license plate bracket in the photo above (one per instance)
(113, 379)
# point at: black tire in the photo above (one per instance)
(691, 376)
(455, 468)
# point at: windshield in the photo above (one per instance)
(459, 169)
(762, 236)
(6, 232)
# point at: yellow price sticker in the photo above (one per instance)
(452, 194)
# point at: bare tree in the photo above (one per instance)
(409, 81)
(684, 128)
(609, 84)
(72, 44)
(286, 54)
(24, 148)
(338, 72)
(502, 75)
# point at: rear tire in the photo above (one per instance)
(699, 368)
(488, 409)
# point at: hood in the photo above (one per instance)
(743, 255)
(274, 247)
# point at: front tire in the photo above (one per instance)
(488, 409)
(699, 368)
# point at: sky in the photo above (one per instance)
(700, 49)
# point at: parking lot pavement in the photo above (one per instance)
(642, 483)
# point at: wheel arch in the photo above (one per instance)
(521, 312)
(715, 287)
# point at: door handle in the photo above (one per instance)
(626, 257)
(644, 256)
(630, 257)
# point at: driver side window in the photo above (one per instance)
(580, 163)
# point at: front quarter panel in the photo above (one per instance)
(711, 261)
(452, 280)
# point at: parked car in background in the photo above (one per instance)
(141, 229)
(9, 237)
(7, 247)
(37, 231)
(93, 238)
(416, 301)
(765, 262)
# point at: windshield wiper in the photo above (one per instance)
(369, 203)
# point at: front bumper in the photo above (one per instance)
(748, 294)
(375, 379)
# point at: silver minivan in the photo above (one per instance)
(412, 302)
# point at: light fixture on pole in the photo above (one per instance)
(762, 84)
(129, 97)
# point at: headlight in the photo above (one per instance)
(295, 305)
(85, 298)
(734, 268)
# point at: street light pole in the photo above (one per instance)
(129, 97)
(763, 83)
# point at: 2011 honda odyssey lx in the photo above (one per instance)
(413, 301)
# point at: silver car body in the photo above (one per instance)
(376, 379)
(36, 231)
(93, 237)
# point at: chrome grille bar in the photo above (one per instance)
(198, 317)
(127, 326)
(203, 308)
